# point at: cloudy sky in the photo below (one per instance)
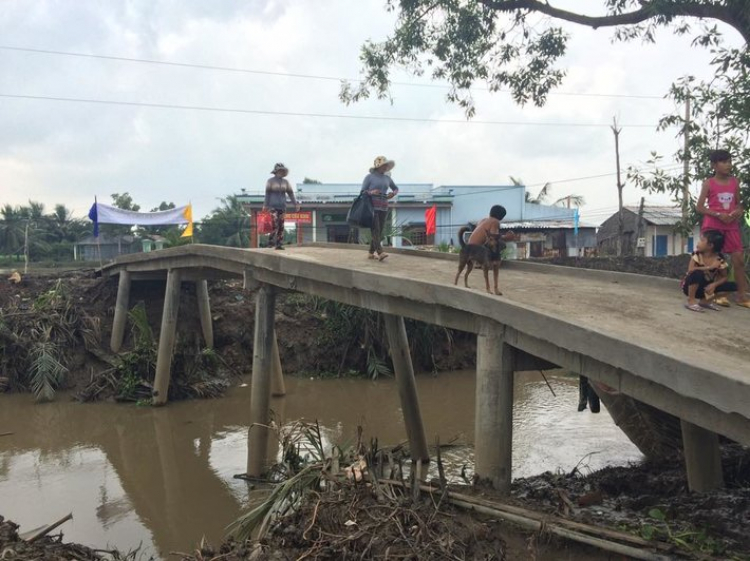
(68, 152)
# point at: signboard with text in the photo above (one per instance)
(303, 217)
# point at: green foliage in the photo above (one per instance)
(691, 540)
(47, 372)
(227, 224)
(361, 336)
(135, 369)
(509, 44)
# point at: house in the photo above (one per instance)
(550, 238)
(325, 205)
(658, 235)
(105, 247)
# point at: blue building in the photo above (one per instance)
(324, 207)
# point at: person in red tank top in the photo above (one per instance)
(719, 203)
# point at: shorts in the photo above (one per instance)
(732, 240)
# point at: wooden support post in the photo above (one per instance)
(260, 398)
(277, 378)
(167, 337)
(407, 388)
(121, 312)
(493, 421)
(204, 310)
(702, 458)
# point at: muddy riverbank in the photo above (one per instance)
(69, 317)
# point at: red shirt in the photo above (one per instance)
(722, 198)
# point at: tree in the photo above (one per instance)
(125, 202)
(227, 224)
(308, 181)
(517, 44)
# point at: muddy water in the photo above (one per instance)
(162, 478)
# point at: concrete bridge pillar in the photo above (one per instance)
(702, 458)
(493, 422)
(407, 388)
(260, 398)
(278, 388)
(121, 311)
(167, 337)
(204, 311)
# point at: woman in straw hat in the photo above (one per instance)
(277, 190)
(376, 184)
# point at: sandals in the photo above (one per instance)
(694, 308)
(722, 301)
(710, 306)
(382, 256)
(371, 256)
(743, 303)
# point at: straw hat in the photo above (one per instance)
(381, 161)
(279, 167)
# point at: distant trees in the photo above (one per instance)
(228, 224)
(43, 235)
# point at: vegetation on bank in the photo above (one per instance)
(54, 334)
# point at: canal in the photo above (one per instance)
(160, 479)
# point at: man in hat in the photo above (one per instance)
(376, 184)
(277, 190)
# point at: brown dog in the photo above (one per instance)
(485, 256)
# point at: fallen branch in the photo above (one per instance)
(576, 531)
(47, 529)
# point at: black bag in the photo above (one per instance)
(361, 213)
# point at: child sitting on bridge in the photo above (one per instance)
(707, 273)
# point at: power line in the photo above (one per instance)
(289, 74)
(300, 114)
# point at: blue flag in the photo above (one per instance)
(94, 216)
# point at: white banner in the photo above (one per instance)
(106, 214)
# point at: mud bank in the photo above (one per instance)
(73, 312)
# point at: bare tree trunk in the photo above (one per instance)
(686, 178)
(620, 217)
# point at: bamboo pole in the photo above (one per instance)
(569, 529)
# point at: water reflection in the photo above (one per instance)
(164, 477)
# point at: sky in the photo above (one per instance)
(67, 152)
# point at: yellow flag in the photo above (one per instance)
(188, 214)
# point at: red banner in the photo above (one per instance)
(430, 220)
(303, 217)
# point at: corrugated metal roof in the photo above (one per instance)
(659, 215)
(543, 225)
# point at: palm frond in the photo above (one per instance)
(46, 370)
(143, 335)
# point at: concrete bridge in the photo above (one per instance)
(627, 331)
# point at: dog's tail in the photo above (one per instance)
(461, 233)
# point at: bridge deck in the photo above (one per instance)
(629, 331)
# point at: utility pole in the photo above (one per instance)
(686, 176)
(639, 228)
(620, 218)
